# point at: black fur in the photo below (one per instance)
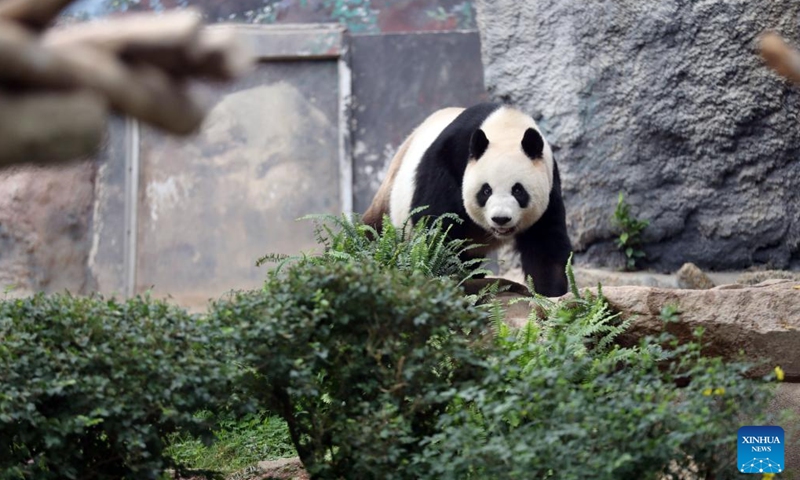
(484, 194)
(532, 144)
(478, 144)
(522, 195)
(544, 248)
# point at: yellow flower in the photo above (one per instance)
(768, 476)
(707, 392)
(719, 391)
(779, 373)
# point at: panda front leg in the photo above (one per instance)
(544, 250)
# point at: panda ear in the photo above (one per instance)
(478, 144)
(533, 144)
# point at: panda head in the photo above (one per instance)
(509, 175)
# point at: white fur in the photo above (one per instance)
(502, 165)
(405, 182)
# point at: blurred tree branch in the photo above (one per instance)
(136, 64)
(780, 56)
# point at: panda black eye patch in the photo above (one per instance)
(483, 195)
(522, 196)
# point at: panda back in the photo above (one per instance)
(405, 182)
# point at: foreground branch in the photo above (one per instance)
(139, 65)
(781, 57)
(167, 41)
(34, 14)
(143, 92)
(25, 63)
(174, 42)
(50, 127)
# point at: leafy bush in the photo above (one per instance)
(423, 247)
(629, 240)
(556, 399)
(562, 400)
(358, 360)
(90, 387)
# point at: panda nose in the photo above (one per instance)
(501, 220)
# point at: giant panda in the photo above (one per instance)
(490, 165)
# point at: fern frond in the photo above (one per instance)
(573, 285)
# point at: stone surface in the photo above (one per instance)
(212, 204)
(590, 277)
(690, 276)
(45, 216)
(667, 101)
(787, 397)
(752, 278)
(763, 321)
(283, 469)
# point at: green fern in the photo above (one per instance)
(424, 245)
(583, 325)
(573, 285)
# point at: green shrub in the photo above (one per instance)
(630, 236)
(91, 387)
(423, 247)
(330, 339)
(358, 360)
(562, 400)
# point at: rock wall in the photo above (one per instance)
(45, 221)
(669, 102)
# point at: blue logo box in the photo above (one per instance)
(760, 450)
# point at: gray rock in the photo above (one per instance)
(690, 276)
(760, 321)
(284, 469)
(669, 102)
(753, 278)
(787, 397)
(590, 277)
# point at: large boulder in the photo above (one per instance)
(668, 101)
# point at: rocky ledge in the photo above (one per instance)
(761, 322)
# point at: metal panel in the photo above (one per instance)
(189, 217)
(106, 263)
(211, 205)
